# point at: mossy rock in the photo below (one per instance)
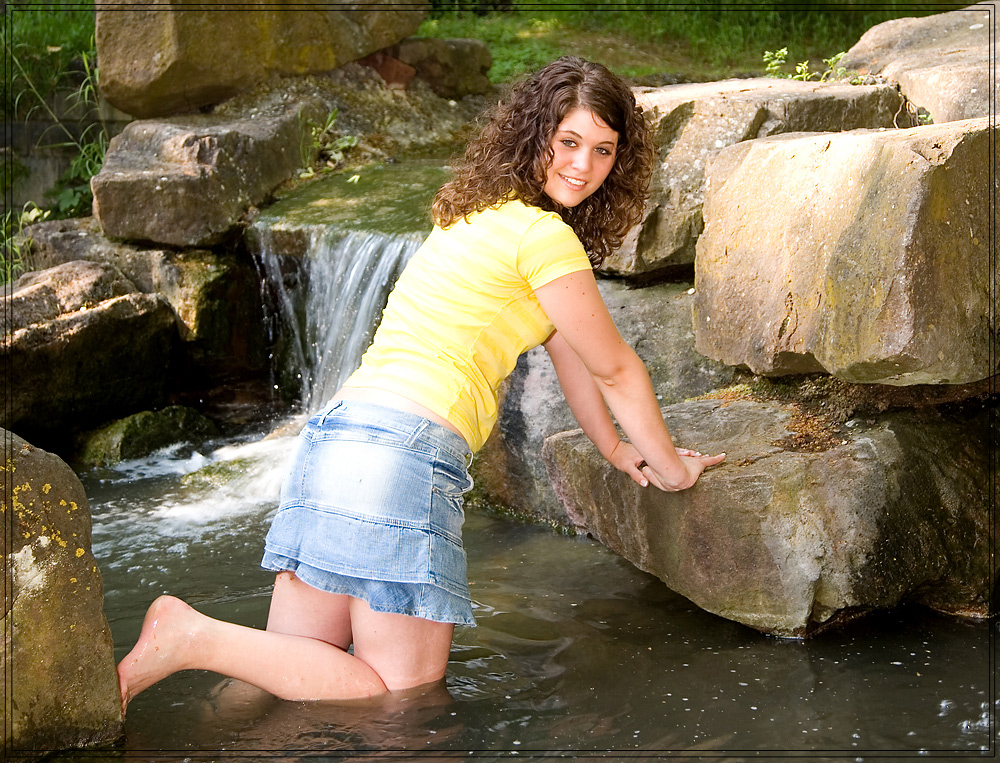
(142, 434)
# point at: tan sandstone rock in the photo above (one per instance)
(693, 122)
(863, 254)
(215, 296)
(944, 63)
(164, 59)
(453, 68)
(790, 540)
(186, 181)
(61, 688)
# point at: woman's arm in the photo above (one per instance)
(582, 321)
(589, 408)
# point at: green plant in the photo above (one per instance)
(71, 195)
(323, 148)
(48, 42)
(774, 61)
(11, 256)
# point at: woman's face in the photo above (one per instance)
(583, 153)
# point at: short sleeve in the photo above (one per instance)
(549, 249)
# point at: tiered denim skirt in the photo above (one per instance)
(373, 508)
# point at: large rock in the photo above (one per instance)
(61, 688)
(789, 539)
(656, 322)
(944, 63)
(693, 122)
(163, 60)
(187, 181)
(453, 68)
(215, 296)
(80, 356)
(867, 258)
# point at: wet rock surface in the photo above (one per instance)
(142, 434)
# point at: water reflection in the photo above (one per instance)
(576, 650)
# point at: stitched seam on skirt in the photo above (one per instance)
(389, 521)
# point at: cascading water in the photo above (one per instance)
(329, 323)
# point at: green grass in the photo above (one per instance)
(46, 44)
(692, 43)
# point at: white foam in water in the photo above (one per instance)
(252, 477)
(163, 463)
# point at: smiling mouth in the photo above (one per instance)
(573, 182)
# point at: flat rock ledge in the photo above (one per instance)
(186, 181)
(790, 541)
(945, 63)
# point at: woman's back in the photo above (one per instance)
(464, 310)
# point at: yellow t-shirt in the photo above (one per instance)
(464, 309)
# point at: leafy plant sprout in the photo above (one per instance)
(774, 61)
(323, 148)
(14, 223)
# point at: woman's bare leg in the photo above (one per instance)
(301, 610)
(410, 651)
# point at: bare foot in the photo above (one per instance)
(166, 632)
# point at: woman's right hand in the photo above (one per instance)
(693, 467)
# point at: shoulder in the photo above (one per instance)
(526, 221)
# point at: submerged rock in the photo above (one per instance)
(143, 433)
(803, 525)
(867, 258)
(693, 122)
(945, 63)
(61, 689)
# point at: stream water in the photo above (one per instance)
(576, 653)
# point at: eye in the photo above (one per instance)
(568, 142)
(604, 151)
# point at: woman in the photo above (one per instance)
(367, 541)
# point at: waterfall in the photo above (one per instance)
(328, 302)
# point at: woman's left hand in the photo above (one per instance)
(626, 458)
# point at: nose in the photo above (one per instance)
(581, 161)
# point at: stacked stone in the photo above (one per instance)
(857, 258)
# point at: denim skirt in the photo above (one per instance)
(373, 508)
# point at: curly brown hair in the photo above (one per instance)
(512, 153)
